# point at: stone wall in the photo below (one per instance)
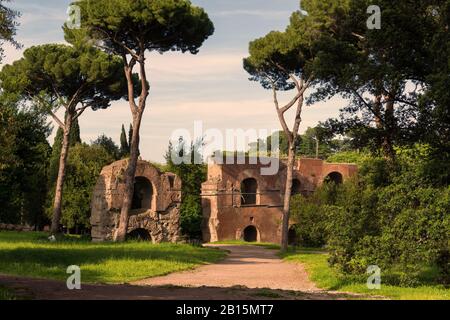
(15, 227)
(161, 214)
(225, 216)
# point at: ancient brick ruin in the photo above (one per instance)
(239, 203)
(155, 210)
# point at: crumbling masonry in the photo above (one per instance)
(155, 210)
(239, 203)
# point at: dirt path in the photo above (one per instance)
(243, 275)
(249, 266)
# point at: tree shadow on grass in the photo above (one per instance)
(105, 262)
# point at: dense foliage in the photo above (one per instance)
(130, 29)
(398, 220)
(83, 168)
(24, 156)
(192, 175)
(317, 142)
(109, 145)
(393, 77)
(8, 26)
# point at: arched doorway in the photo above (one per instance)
(139, 235)
(249, 189)
(296, 187)
(250, 234)
(293, 238)
(334, 177)
(143, 194)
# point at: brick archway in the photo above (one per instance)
(334, 177)
(250, 234)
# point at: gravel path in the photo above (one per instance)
(249, 266)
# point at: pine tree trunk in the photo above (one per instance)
(137, 112)
(121, 231)
(57, 205)
(287, 197)
(387, 144)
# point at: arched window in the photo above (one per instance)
(250, 234)
(249, 189)
(143, 194)
(296, 187)
(171, 181)
(334, 177)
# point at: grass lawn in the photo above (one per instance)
(6, 294)
(31, 254)
(327, 278)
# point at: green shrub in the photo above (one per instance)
(396, 218)
(311, 232)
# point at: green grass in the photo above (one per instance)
(327, 278)
(31, 254)
(6, 294)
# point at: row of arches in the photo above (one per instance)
(249, 187)
(250, 234)
(144, 191)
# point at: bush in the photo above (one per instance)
(84, 165)
(395, 218)
(307, 213)
(191, 216)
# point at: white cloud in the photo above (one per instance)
(177, 67)
(210, 86)
(40, 15)
(162, 119)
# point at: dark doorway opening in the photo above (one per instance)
(143, 194)
(334, 177)
(293, 238)
(139, 235)
(250, 234)
(249, 189)
(296, 187)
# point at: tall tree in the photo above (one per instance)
(8, 26)
(24, 156)
(60, 76)
(433, 125)
(84, 165)
(130, 28)
(109, 145)
(74, 138)
(319, 142)
(281, 61)
(283, 143)
(124, 146)
(382, 71)
(192, 174)
(130, 139)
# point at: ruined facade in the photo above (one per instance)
(239, 203)
(155, 210)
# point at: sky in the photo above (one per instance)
(211, 86)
